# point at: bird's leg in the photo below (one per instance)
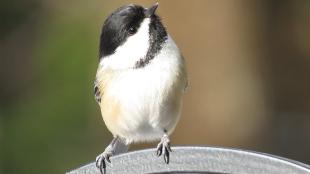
(164, 147)
(117, 146)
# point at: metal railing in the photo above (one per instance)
(208, 160)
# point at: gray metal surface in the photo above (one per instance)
(192, 160)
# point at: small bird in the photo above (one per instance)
(140, 81)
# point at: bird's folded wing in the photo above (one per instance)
(97, 91)
(184, 75)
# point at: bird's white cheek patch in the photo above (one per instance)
(134, 48)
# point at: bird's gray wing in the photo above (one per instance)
(97, 92)
(185, 74)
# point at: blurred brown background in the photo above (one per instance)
(248, 65)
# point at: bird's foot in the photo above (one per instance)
(117, 146)
(103, 158)
(163, 148)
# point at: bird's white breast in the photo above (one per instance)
(149, 98)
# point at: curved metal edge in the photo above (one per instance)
(199, 159)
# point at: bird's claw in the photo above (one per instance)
(101, 161)
(163, 148)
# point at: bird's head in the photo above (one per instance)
(131, 36)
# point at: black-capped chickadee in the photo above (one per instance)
(140, 81)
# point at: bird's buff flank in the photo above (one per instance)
(140, 81)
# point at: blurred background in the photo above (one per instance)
(249, 78)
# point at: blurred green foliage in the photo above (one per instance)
(37, 138)
(13, 13)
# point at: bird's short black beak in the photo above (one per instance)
(151, 10)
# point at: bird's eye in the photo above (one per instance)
(132, 30)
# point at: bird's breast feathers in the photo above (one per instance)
(138, 103)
